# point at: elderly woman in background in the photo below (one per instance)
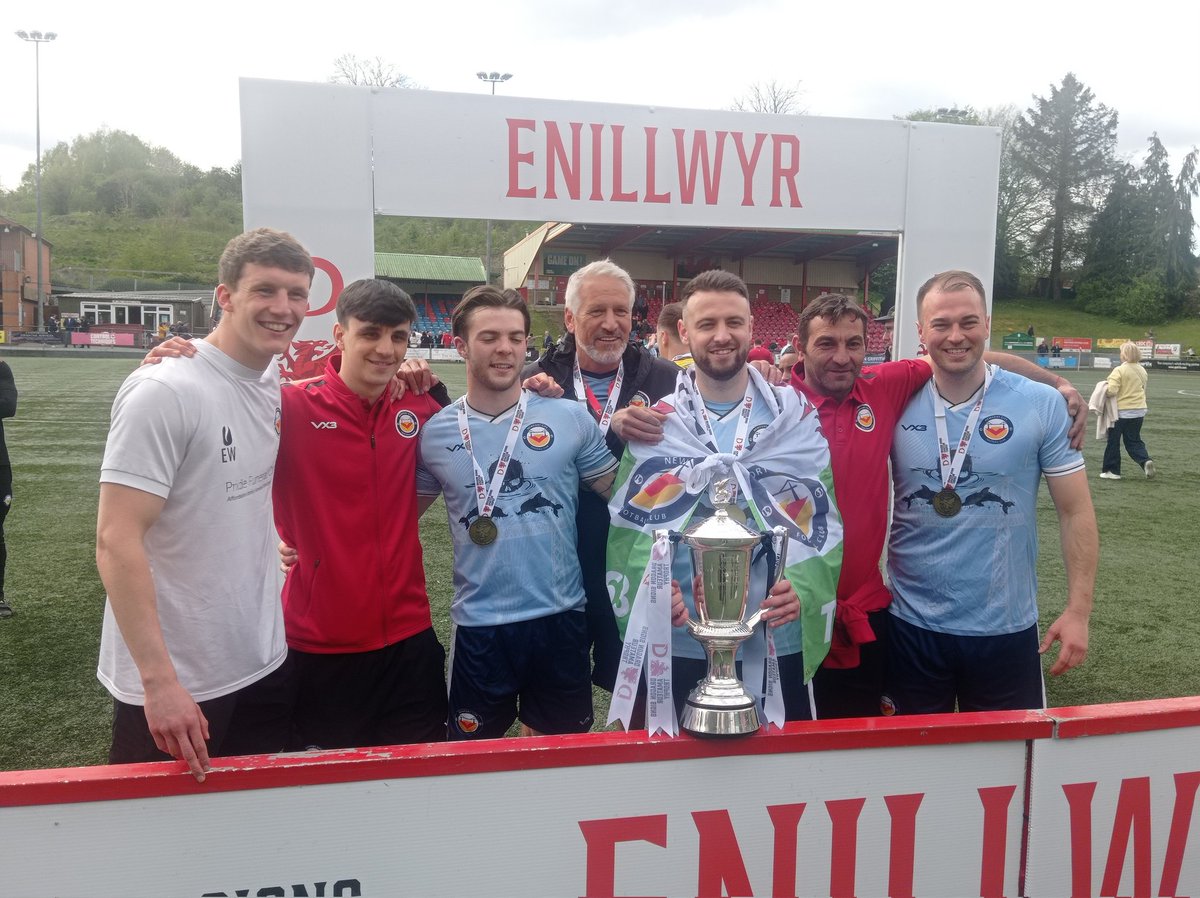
(1127, 383)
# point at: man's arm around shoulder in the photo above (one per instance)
(175, 720)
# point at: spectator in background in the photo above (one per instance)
(1056, 350)
(1042, 349)
(787, 361)
(1127, 382)
(760, 353)
(670, 344)
(547, 341)
(8, 408)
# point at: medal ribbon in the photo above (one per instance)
(743, 425)
(648, 645)
(951, 467)
(486, 494)
(585, 395)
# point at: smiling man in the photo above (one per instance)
(511, 466)
(192, 649)
(369, 666)
(968, 456)
(601, 370)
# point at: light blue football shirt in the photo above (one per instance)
(532, 569)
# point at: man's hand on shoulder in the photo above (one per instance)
(773, 375)
(175, 348)
(1077, 408)
(178, 726)
(415, 376)
(638, 425)
(544, 385)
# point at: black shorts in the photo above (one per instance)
(389, 696)
(537, 669)
(687, 672)
(856, 691)
(255, 720)
(929, 672)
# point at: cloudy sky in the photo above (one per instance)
(169, 73)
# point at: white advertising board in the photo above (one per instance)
(1114, 814)
(427, 153)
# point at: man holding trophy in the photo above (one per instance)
(745, 465)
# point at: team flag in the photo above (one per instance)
(785, 478)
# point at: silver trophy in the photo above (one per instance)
(721, 548)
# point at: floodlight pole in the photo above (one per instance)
(37, 38)
(492, 78)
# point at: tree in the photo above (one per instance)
(771, 96)
(351, 69)
(1065, 143)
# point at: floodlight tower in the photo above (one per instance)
(492, 78)
(37, 38)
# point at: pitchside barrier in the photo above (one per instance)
(1071, 801)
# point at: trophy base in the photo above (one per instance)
(719, 710)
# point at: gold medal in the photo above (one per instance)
(947, 503)
(483, 531)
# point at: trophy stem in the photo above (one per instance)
(720, 705)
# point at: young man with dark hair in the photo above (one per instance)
(511, 466)
(670, 344)
(601, 370)
(370, 669)
(192, 649)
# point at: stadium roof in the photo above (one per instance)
(412, 267)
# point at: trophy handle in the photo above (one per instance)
(781, 537)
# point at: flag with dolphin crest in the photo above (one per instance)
(785, 478)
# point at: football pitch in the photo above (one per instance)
(1145, 634)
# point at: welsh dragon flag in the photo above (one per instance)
(786, 479)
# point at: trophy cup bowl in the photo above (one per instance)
(721, 548)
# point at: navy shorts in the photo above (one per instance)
(537, 669)
(929, 672)
(389, 696)
(687, 672)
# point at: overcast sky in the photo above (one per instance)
(169, 72)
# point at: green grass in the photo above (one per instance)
(53, 713)
(1062, 319)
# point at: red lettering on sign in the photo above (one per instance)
(516, 158)
(786, 820)
(651, 195)
(556, 151)
(602, 837)
(597, 155)
(336, 283)
(902, 857)
(699, 165)
(1186, 785)
(749, 164)
(843, 855)
(721, 863)
(1132, 817)
(996, 800)
(618, 149)
(781, 174)
(1079, 803)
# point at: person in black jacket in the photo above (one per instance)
(8, 408)
(593, 361)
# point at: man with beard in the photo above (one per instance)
(728, 425)
(601, 370)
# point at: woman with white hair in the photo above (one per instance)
(1127, 382)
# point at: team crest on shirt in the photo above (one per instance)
(864, 418)
(995, 428)
(466, 721)
(407, 424)
(278, 420)
(755, 433)
(639, 400)
(538, 437)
